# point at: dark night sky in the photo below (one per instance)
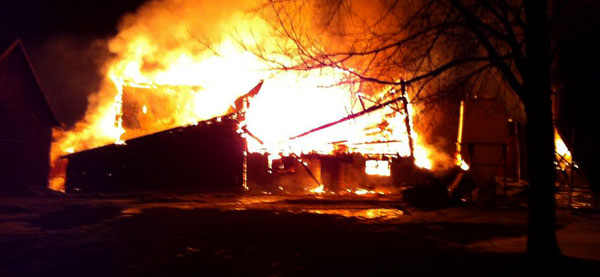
(65, 40)
(577, 71)
(34, 20)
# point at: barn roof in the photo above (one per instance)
(222, 121)
(17, 48)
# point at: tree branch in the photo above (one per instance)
(496, 60)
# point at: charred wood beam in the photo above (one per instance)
(407, 121)
(252, 135)
(299, 160)
(375, 102)
(378, 142)
(369, 110)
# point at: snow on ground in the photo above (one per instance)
(226, 234)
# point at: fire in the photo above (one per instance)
(462, 164)
(563, 155)
(379, 132)
(384, 214)
(360, 191)
(165, 76)
(57, 183)
(375, 167)
(318, 190)
(459, 160)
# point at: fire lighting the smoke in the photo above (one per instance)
(169, 78)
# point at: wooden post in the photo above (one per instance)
(407, 121)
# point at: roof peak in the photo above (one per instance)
(18, 44)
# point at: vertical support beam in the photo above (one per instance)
(245, 169)
(572, 180)
(505, 158)
(518, 151)
(404, 99)
(305, 166)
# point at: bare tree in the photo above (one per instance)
(439, 45)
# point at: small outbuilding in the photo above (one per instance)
(26, 122)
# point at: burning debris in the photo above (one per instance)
(165, 78)
(215, 155)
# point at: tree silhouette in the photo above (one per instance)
(438, 46)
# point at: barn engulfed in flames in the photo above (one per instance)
(163, 77)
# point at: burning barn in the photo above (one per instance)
(336, 173)
(222, 154)
(212, 156)
(161, 79)
(372, 164)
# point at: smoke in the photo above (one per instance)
(151, 38)
(68, 68)
(170, 25)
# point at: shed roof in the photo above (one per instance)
(17, 48)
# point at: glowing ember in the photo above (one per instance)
(463, 165)
(563, 155)
(360, 191)
(320, 189)
(385, 214)
(376, 167)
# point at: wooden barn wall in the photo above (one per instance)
(203, 158)
(26, 127)
(337, 173)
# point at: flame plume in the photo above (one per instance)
(180, 62)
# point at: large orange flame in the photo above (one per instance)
(164, 76)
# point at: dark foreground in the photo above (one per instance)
(206, 235)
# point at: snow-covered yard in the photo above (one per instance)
(166, 234)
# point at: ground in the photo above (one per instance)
(265, 235)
